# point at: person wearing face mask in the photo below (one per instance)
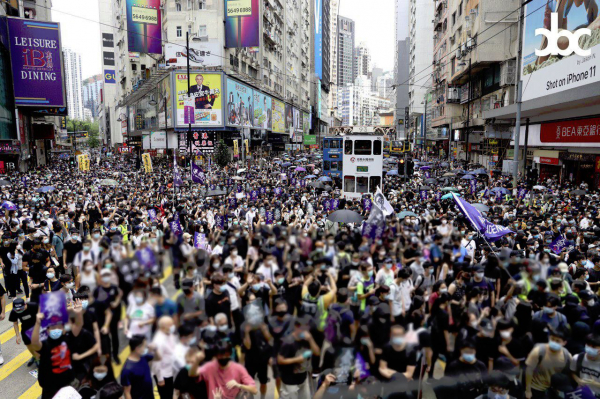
(467, 364)
(72, 247)
(184, 385)
(218, 300)
(88, 277)
(82, 256)
(164, 341)
(52, 282)
(57, 351)
(107, 305)
(397, 358)
(498, 387)
(234, 260)
(136, 376)
(223, 376)
(255, 345)
(585, 367)
(190, 304)
(140, 316)
(544, 361)
(98, 376)
(549, 314)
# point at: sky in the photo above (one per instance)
(82, 35)
(80, 30)
(374, 22)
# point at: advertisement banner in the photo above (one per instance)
(236, 152)
(310, 139)
(289, 118)
(241, 23)
(574, 131)
(297, 120)
(262, 110)
(305, 123)
(36, 61)
(109, 76)
(108, 40)
(240, 104)
(205, 90)
(552, 74)
(202, 54)
(319, 38)
(144, 26)
(278, 124)
(247, 146)
(203, 142)
(147, 160)
(165, 99)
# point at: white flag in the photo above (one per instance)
(382, 203)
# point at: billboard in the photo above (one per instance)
(240, 104)
(305, 123)
(241, 23)
(164, 92)
(297, 120)
(289, 117)
(278, 114)
(319, 38)
(310, 139)
(144, 26)
(205, 91)
(552, 74)
(36, 61)
(109, 76)
(202, 54)
(262, 110)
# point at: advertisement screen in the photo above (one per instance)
(240, 104)
(36, 63)
(278, 113)
(144, 26)
(319, 38)
(205, 100)
(552, 74)
(289, 117)
(262, 111)
(241, 23)
(202, 54)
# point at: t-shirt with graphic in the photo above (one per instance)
(590, 370)
(139, 314)
(56, 368)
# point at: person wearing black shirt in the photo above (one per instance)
(72, 247)
(257, 353)
(396, 357)
(468, 366)
(218, 300)
(36, 262)
(107, 300)
(186, 386)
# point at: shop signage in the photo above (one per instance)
(575, 131)
(571, 156)
(597, 168)
(549, 161)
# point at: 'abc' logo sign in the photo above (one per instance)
(553, 35)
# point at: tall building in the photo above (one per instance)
(375, 74)
(358, 106)
(72, 62)
(362, 61)
(334, 10)
(420, 58)
(92, 93)
(384, 85)
(401, 67)
(345, 52)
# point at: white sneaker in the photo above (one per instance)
(1, 359)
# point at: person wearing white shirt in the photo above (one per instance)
(164, 342)
(469, 244)
(234, 259)
(268, 268)
(585, 222)
(401, 291)
(385, 275)
(187, 341)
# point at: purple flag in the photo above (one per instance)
(559, 244)
(473, 184)
(302, 183)
(197, 174)
(9, 206)
(438, 196)
(177, 181)
(522, 193)
(232, 202)
(262, 191)
(54, 307)
(367, 204)
(188, 113)
(423, 195)
(278, 191)
(220, 222)
(212, 187)
(498, 195)
(583, 392)
(492, 232)
(427, 175)
(146, 258)
(293, 181)
(269, 217)
(176, 225)
(327, 205)
(152, 214)
(198, 239)
(240, 188)
(335, 203)
(253, 195)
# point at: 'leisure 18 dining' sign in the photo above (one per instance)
(36, 63)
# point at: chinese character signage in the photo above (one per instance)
(36, 63)
(203, 142)
(574, 131)
(205, 102)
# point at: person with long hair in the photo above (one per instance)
(100, 374)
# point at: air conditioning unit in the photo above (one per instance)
(508, 73)
(458, 53)
(469, 43)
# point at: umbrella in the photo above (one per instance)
(431, 180)
(404, 214)
(45, 189)
(481, 207)
(501, 190)
(328, 188)
(578, 192)
(324, 178)
(215, 193)
(448, 174)
(303, 160)
(108, 182)
(444, 164)
(286, 164)
(9, 206)
(539, 187)
(317, 184)
(479, 171)
(425, 188)
(275, 173)
(300, 169)
(277, 161)
(4, 183)
(425, 167)
(345, 216)
(468, 177)
(240, 178)
(393, 172)
(459, 171)
(449, 195)
(241, 170)
(310, 177)
(454, 189)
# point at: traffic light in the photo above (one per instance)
(401, 161)
(410, 167)
(406, 147)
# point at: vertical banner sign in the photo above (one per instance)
(319, 38)
(473, 184)
(236, 153)
(147, 160)
(188, 111)
(278, 114)
(144, 26)
(247, 145)
(36, 61)
(241, 23)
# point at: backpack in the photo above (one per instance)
(566, 354)
(333, 325)
(308, 306)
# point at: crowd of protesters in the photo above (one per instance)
(270, 295)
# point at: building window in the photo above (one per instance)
(189, 31)
(179, 31)
(349, 184)
(177, 6)
(460, 9)
(453, 18)
(189, 4)
(202, 31)
(201, 5)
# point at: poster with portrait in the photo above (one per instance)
(305, 123)
(297, 120)
(289, 117)
(206, 93)
(240, 104)
(278, 114)
(262, 111)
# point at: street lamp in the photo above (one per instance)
(467, 129)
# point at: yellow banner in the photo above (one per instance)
(147, 160)
(247, 145)
(83, 161)
(235, 149)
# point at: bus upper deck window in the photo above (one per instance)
(363, 147)
(348, 147)
(349, 184)
(335, 144)
(326, 143)
(377, 147)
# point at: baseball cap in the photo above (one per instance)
(105, 272)
(19, 304)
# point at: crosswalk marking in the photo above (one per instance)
(14, 364)
(8, 335)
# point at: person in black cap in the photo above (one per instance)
(25, 313)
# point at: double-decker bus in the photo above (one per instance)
(363, 164)
(396, 147)
(333, 156)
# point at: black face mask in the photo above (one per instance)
(187, 291)
(223, 362)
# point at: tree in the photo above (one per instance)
(222, 157)
(93, 141)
